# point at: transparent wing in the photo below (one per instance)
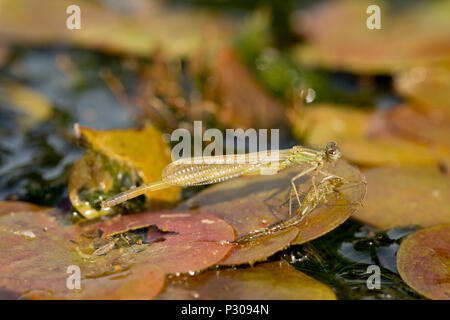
(207, 170)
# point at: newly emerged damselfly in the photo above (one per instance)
(313, 198)
(207, 170)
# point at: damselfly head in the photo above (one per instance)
(332, 151)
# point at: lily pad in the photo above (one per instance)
(266, 281)
(191, 242)
(146, 26)
(37, 254)
(405, 196)
(115, 161)
(251, 203)
(416, 126)
(418, 36)
(428, 129)
(427, 89)
(350, 128)
(423, 261)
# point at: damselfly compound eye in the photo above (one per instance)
(332, 150)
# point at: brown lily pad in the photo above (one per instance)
(115, 161)
(416, 126)
(251, 203)
(423, 261)
(351, 129)
(405, 196)
(37, 252)
(427, 89)
(266, 281)
(338, 38)
(423, 128)
(191, 242)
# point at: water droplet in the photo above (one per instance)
(310, 95)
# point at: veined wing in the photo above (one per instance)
(207, 170)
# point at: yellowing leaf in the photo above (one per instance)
(115, 161)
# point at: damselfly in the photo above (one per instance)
(207, 170)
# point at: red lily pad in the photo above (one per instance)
(192, 241)
(266, 281)
(405, 196)
(251, 203)
(423, 261)
(37, 252)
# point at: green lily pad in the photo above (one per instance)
(37, 252)
(115, 161)
(191, 242)
(251, 203)
(423, 261)
(405, 196)
(266, 281)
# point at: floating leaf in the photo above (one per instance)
(426, 129)
(427, 89)
(349, 127)
(142, 30)
(191, 242)
(37, 252)
(17, 206)
(423, 261)
(416, 126)
(266, 281)
(115, 161)
(417, 37)
(251, 203)
(405, 196)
